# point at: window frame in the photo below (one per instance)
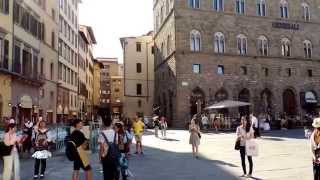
(218, 5)
(284, 9)
(263, 46)
(306, 14)
(242, 44)
(261, 8)
(196, 68)
(285, 47)
(307, 47)
(240, 7)
(219, 43)
(220, 70)
(195, 41)
(194, 4)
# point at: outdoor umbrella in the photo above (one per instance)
(227, 104)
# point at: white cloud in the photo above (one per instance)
(112, 19)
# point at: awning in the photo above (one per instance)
(227, 104)
(49, 111)
(26, 102)
(310, 97)
(66, 110)
(59, 110)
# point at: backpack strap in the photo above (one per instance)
(105, 138)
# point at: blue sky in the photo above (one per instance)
(112, 19)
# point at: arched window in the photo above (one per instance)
(305, 11)
(284, 12)
(169, 44)
(195, 41)
(194, 4)
(218, 5)
(285, 47)
(307, 49)
(242, 44)
(263, 46)
(240, 6)
(261, 7)
(219, 43)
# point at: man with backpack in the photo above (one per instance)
(76, 152)
(109, 152)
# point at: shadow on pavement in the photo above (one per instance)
(159, 164)
(291, 134)
(272, 139)
(170, 139)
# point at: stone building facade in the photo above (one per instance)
(138, 57)
(263, 52)
(86, 70)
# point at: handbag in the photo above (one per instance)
(252, 148)
(199, 135)
(237, 145)
(4, 149)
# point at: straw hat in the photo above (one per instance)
(12, 121)
(316, 123)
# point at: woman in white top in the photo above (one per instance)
(11, 161)
(244, 133)
(194, 139)
(315, 148)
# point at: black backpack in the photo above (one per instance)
(4, 149)
(113, 154)
(71, 151)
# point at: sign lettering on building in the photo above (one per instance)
(282, 25)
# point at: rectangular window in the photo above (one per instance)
(196, 68)
(60, 71)
(289, 72)
(4, 53)
(35, 66)
(51, 71)
(152, 49)
(1, 49)
(139, 68)
(16, 15)
(138, 47)
(4, 6)
(17, 59)
(220, 70)
(243, 70)
(139, 89)
(53, 14)
(265, 71)
(53, 40)
(41, 66)
(310, 74)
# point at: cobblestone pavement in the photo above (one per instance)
(283, 155)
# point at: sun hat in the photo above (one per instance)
(316, 123)
(12, 121)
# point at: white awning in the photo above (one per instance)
(60, 109)
(228, 104)
(26, 102)
(310, 97)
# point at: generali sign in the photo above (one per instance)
(283, 25)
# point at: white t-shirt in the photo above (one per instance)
(109, 133)
(244, 135)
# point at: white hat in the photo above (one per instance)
(316, 123)
(12, 121)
